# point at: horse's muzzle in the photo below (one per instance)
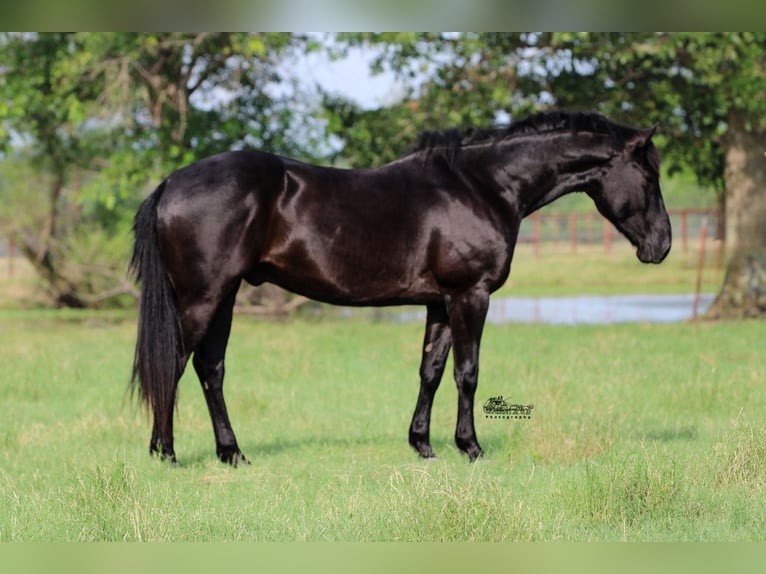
(653, 252)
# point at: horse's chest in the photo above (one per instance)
(472, 253)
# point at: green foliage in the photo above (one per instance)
(164, 99)
(370, 137)
(46, 97)
(457, 80)
(689, 83)
(90, 123)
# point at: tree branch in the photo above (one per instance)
(265, 310)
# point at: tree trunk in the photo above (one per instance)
(63, 291)
(743, 293)
(42, 254)
(720, 217)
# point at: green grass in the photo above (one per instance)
(639, 432)
(559, 271)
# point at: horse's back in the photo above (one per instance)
(233, 172)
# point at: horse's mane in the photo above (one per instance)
(447, 143)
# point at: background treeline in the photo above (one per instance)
(91, 122)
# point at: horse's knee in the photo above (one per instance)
(467, 376)
(210, 373)
(431, 372)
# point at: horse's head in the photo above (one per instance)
(629, 196)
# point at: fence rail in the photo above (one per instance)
(593, 229)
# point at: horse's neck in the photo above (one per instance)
(565, 183)
(531, 182)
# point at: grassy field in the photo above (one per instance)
(639, 432)
(560, 270)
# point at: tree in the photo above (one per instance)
(706, 90)
(44, 106)
(90, 122)
(456, 81)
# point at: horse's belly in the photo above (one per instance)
(344, 283)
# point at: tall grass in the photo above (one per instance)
(639, 432)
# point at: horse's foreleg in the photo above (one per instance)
(436, 346)
(467, 313)
(209, 364)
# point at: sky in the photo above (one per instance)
(350, 77)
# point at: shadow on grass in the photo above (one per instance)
(378, 446)
(672, 434)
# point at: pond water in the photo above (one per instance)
(600, 310)
(586, 309)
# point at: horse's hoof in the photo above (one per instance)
(163, 454)
(238, 459)
(233, 458)
(424, 450)
(475, 455)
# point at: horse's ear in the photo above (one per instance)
(641, 138)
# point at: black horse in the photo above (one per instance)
(437, 227)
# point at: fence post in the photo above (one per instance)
(557, 223)
(589, 228)
(700, 264)
(573, 231)
(607, 236)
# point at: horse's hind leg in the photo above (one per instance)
(209, 364)
(161, 443)
(436, 346)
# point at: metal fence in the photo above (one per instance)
(593, 229)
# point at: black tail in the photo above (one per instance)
(159, 344)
